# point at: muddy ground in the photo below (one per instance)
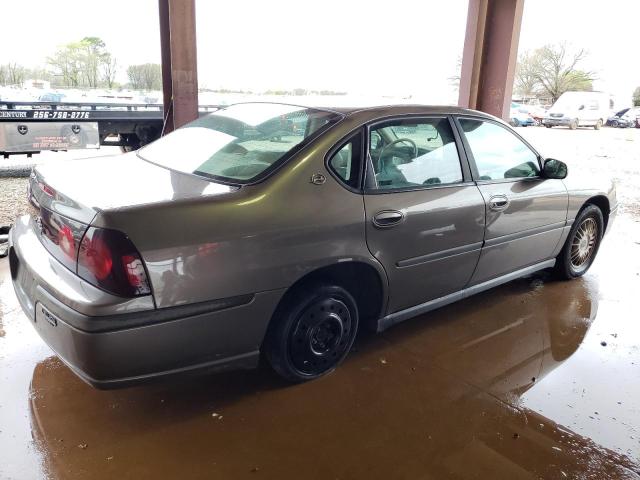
(534, 379)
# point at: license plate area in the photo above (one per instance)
(45, 315)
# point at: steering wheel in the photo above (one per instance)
(396, 141)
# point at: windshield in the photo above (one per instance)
(238, 143)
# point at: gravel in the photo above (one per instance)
(13, 199)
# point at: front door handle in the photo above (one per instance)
(387, 218)
(498, 202)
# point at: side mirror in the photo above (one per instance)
(554, 169)
(581, 107)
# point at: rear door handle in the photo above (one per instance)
(498, 202)
(387, 218)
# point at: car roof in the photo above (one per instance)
(367, 113)
(380, 111)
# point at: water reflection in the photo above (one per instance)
(436, 397)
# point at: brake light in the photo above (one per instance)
(95, 255)
(67, 242)
(109, 260)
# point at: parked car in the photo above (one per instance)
(612, 121)
(519, 117)
(629, 119)
(216, 243)
(537, 112)
(578, 109)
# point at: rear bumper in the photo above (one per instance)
(134, 344)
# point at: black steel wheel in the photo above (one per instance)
(311, 332)
(581, 247)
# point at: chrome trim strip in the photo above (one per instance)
(525, 233)
(430, 257)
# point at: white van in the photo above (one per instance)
(579, 109)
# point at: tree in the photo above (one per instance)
(12, 74)
(66, 61)
(86, 63)
(552, 70)
(109, 70)
(147, 76)
(454, 80)
(526, 82)
(636, 97)
(92, 56)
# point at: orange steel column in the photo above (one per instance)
(179, 62)
(490, 54)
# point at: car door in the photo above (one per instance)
(424, 215)
(525, 212)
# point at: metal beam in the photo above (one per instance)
(179, 62)
(490, 54)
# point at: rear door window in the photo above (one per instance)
(345, 163)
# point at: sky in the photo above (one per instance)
(399, 48)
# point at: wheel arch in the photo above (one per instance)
(602, 202)
(366, 283)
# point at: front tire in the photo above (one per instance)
(574, 124)
(583, 242)
(598, 125)
(311, 332)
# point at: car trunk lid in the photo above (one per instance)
(79, 189)
(66, 196)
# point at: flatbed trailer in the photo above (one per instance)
(31, 127)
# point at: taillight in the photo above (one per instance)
(108, 260)
(60, 235)
(67, 242)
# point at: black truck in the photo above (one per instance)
(31, 127)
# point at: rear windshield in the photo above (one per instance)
(239, 143)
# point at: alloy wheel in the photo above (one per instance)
(584, 244)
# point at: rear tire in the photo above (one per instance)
(311, 332)
(548, 126)
(583, 242)
(598, 125)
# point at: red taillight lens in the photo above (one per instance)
(59, 235)
(108, 260)
(67, 242)
(95, 256)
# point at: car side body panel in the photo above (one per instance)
(527, 231)
(261, 237)
(442, 231)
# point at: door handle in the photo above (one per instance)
(498, 202)
(387, 218)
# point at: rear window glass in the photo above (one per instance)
(239, 143)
